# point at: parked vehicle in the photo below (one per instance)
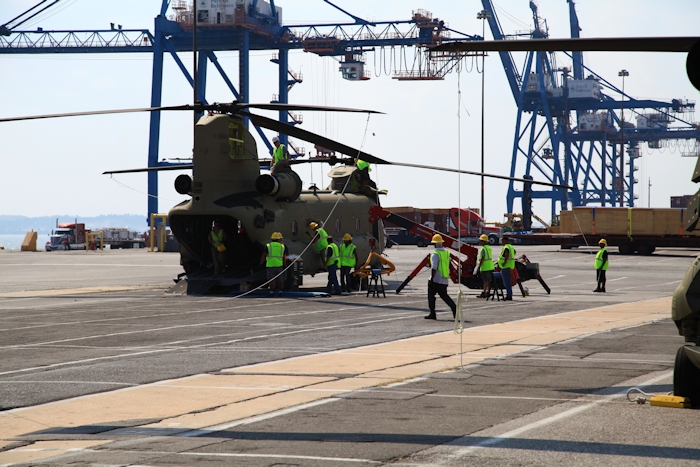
(67, 236)
(401, 236)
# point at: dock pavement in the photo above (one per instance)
(100, 367)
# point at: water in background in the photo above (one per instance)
(14, 242)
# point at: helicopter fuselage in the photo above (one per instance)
(224, 189)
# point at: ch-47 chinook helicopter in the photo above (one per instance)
(685, 309)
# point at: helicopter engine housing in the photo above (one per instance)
(284, 186)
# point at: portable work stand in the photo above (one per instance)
(376, 284)
(496, 287)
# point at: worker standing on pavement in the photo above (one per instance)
(601, 265)
(280, 157)
(439, 276)
(274, 257)
(486, 265)
(217, 238)
(332, 264)
(348, 262)
(321, 240)
(506, 261)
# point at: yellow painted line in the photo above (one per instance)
(75, 291)
(45, 449)
(201, 401)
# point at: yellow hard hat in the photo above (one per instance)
(276, 235)
(484, 238)
(313, 226)
(437, 238)
(603, 242)
(347, 236)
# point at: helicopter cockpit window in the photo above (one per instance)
(236, 139)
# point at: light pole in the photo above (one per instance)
(482, 15)
(622, 73)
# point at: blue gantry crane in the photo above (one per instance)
(245, 26)
(572, 132)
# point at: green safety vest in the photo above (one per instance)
(487, 264)
(322, 236)
(218, 238)
(599, 260)
(275, 255)
(510, 263)
(444, 266)
(363, 165)
(347, 255)
(335, 257)
(279, 153)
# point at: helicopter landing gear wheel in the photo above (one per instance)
(686, 378)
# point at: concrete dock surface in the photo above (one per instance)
(100, 367)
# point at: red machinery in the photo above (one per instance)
(462, 272)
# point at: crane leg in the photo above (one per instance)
(414, 273)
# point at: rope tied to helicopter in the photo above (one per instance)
(310, 243)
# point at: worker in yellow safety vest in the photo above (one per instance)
(506, 261)
(332, 264)
(348, 262)
(274, 257)
(486, 265)
(321, 240)
(439, 277)
(217, 238)
(601, 265)
(364, 169)
(280, 157)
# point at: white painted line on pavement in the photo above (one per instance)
(254, 419)
(494, 440)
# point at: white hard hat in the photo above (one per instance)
(275, 139)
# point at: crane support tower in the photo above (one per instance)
(569, 127)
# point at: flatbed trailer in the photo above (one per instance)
(631, 230)
(641, 244)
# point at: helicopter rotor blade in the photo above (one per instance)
(289, 107)
(150, 169)
(310, 137)
(587, 44)
(95, 112)
(468, 172)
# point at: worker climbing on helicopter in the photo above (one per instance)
(321, 240)
(274, 258)
(363, 168)
(280, 157)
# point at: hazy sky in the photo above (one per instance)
(54, 166)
